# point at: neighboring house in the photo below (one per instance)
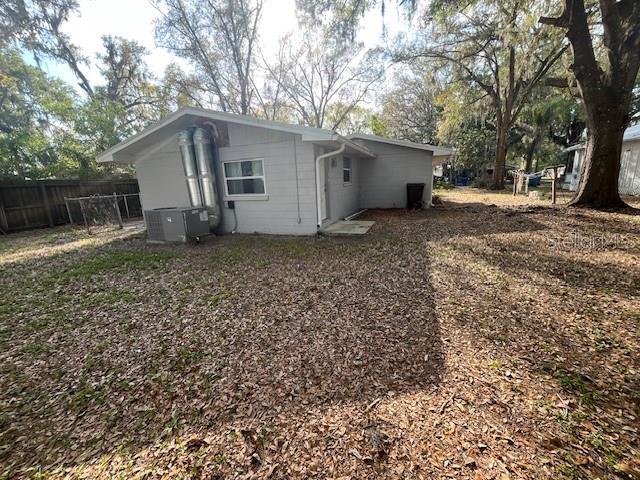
(629, 180)
(277, 178)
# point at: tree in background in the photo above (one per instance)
(271, 97)
(94, 118)
(35, 26)
(325, 75)
(357, 120)
(466, 122)
(218, 38)
(497, 47)
(34, 112)
(410, 109)
(547, 114)
(340, 19)
(605, 66)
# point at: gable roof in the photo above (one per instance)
(437, 151)
(632, 133)
(185, 117)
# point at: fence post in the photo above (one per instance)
(4, 225)
(46, 204)
(84, 216)
(115, 201)
(126, 204)
(66, 204)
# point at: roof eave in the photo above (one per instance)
(311, 133)
(439, 151)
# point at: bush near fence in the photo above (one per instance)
(40, 203)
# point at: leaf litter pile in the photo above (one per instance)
(472, 340)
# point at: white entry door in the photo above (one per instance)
(324, 190)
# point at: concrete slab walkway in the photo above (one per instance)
(348, 227)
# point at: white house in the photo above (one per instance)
(629, 180)
(267, 176)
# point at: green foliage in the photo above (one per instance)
(340, 19)
(464, 125)
(442, 184)
(46, 128)
(33, 111)
(379, 126)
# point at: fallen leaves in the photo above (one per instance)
(452, 343)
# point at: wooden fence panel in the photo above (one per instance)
(35, 204)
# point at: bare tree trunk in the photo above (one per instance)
(501, 158)
(532, 151)
(601, 169)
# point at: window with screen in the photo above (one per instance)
(244, 177)
(346, 170)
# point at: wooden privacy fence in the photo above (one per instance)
(40, 203)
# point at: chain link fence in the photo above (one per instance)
(101, 210)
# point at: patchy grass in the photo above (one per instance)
(215, 299)
(579, 386)
(34, 348)
(117, 260)
(465, 341)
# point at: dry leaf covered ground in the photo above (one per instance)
(482, 339)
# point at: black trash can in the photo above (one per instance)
(414, 195)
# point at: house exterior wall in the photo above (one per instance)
(161, 179)
(277, 212)
(383, 180)
(629, 179)
(343, 197)
(289, 203)
(572, 178)
(286, 208)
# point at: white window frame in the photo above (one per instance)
(350, 182)
(244, 195)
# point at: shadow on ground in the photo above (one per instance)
(119, 349)
(565, 312)
(128, 346)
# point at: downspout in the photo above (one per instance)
(319, 158)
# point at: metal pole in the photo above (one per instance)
(115, 201)
(66, 203)
(553, 185)
(126, 205)
(84, 216)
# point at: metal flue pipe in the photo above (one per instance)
(185, 143)
(204, 146)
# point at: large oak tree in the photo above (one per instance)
(497, 47)
(605, 40)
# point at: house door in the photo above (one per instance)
(324, 190)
